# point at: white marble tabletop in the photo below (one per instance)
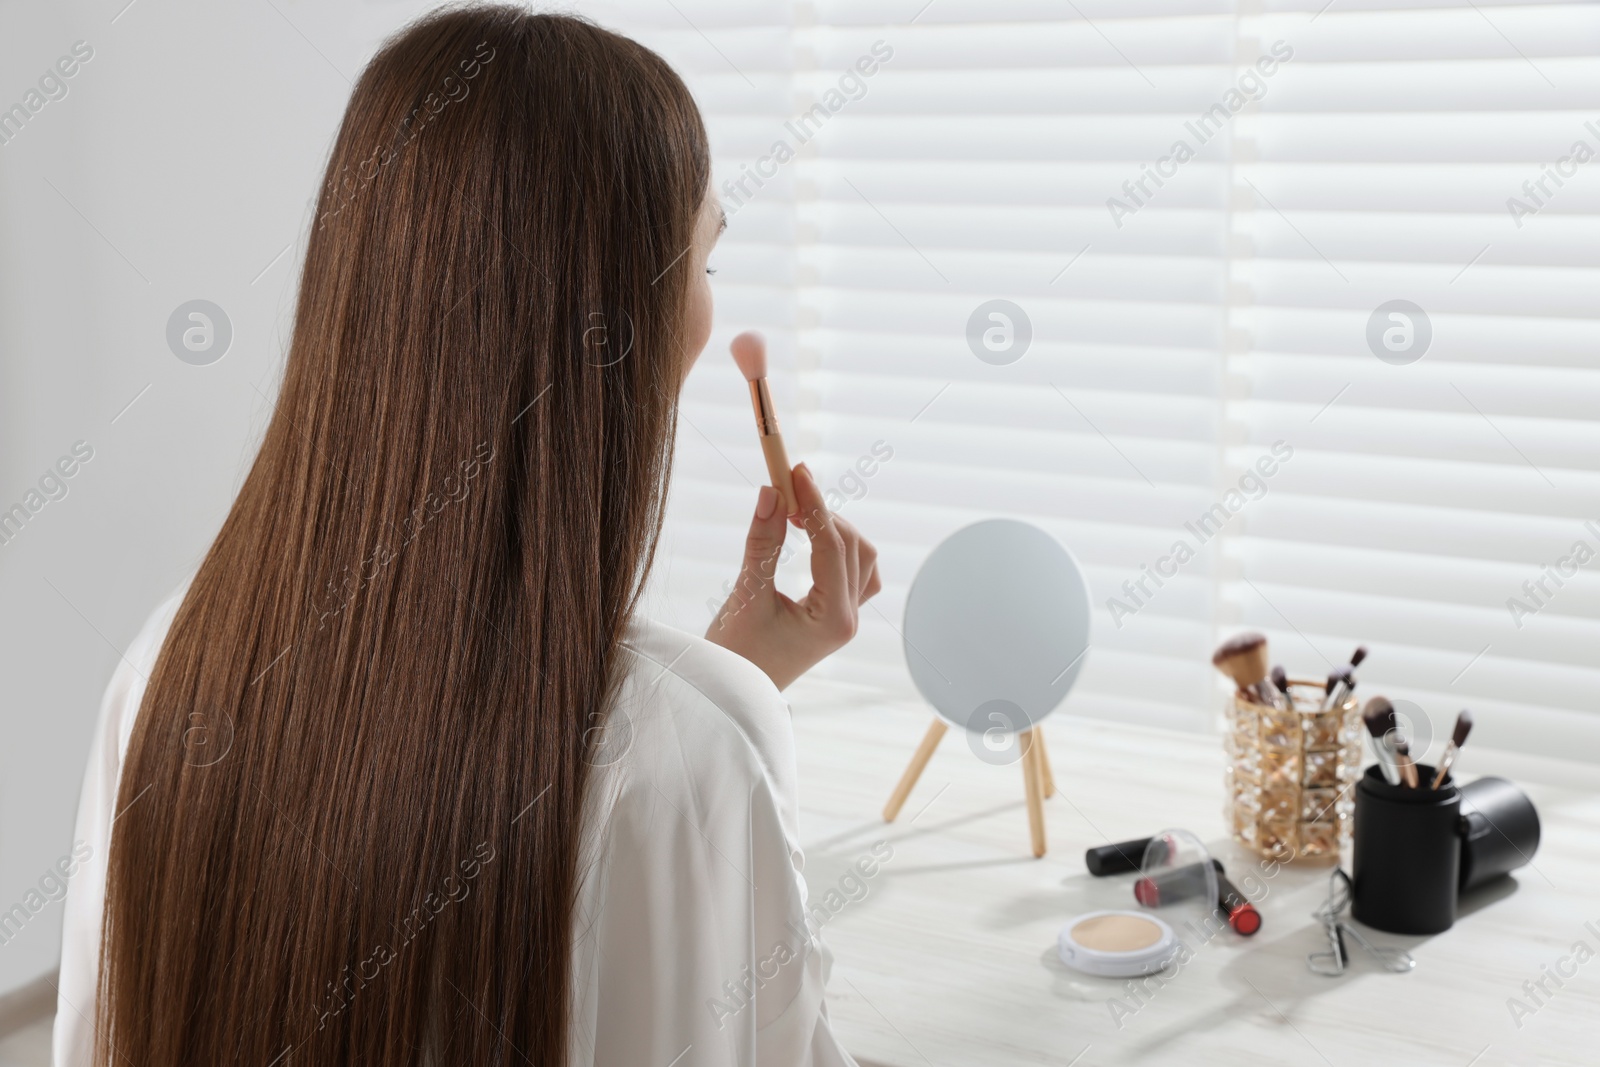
(946, 954)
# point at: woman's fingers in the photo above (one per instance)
(871, 584)
(784, 638)
(829, 600)
(852, 557)
(868, 570)
(873, 587)
(763, 544)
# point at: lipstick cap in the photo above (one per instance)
(1177, 879)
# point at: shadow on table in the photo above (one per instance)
(917, 825)
(1485, 895)
(831, 857)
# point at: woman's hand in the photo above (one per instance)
(787, 637)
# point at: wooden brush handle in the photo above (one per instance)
(1446, 761)
(1408, 771)
(778, 470)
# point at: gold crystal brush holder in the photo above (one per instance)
(1292, 774)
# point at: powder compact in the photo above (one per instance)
(1176, 880)
(1117, 944)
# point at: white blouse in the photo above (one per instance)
(691, 943)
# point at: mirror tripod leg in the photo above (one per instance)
(1043, 754)
(919, 760)
(1035, 793)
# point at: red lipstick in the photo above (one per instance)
(1181, 882)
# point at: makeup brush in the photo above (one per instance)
(1337, 687)
(1244, 659)
(1344, 674)
(1453, 749)
(750, 353)
(1379, 720)
(1402, 756)
(1280, 681)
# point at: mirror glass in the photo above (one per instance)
(997, 626)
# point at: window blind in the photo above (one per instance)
(1196, 214)
(1402, 155)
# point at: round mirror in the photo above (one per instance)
(997, 626)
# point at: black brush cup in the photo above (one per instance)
(1407, 860)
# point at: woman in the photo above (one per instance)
(399, 778)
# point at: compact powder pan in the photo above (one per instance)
(1117, 944)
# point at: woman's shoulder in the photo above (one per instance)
(701, 669)
(125, 692)
(691, 714)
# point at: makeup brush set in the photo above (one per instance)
(1295, 752)
(1393, 753)
(1420, 839)
(1244, 659)
(1297, 790)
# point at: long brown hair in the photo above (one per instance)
(351, 806)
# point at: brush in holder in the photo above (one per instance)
(1406, 865)
(1290, 774)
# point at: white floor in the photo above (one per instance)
(29, 1046)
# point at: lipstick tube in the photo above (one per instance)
(1120, 858)
(1180, 883)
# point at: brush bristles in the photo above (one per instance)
(750, 353)
(1237, 646)
(1379, 717)
(1359, 655)
(1463, 728)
